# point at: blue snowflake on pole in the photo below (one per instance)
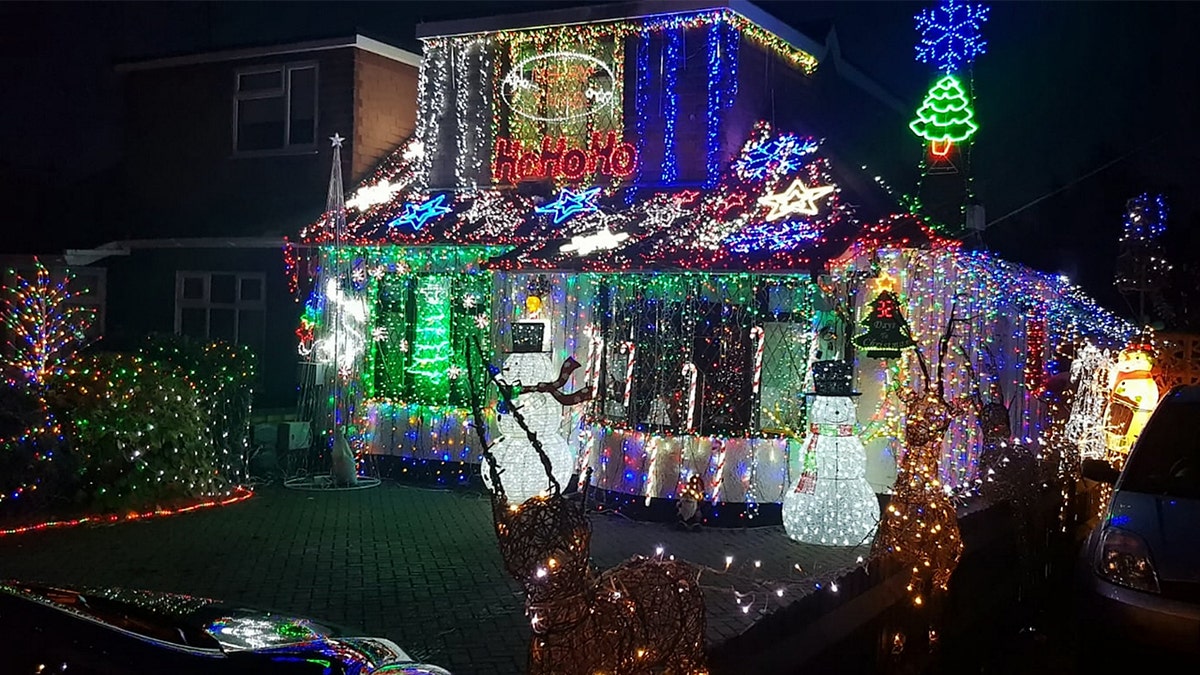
(951, 34)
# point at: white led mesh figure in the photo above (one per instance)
(524, 476)
(832, 503)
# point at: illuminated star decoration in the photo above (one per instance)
(776, 157)
(417, 215)
(379, 333)
(453, 372)
(336, 140)
(588, 244)
(372, 195)
(481, 321)
(798, 198)
(570, 203)
(469, 301)
(950, 34)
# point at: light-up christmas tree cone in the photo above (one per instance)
(832, 503)
(945, 116)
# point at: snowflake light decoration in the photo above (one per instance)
(774, 157)
(951, 34)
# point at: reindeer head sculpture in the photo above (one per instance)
(643, 617)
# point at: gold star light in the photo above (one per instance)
(798, 198)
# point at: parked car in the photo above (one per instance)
(48, 629)
(1140, 567)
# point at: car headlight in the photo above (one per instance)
(1123, 558)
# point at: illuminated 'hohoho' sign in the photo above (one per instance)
(603, 156)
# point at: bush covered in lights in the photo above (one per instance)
(114, 432)
(224, 374)
(137, 432)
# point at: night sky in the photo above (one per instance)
(1065, 89)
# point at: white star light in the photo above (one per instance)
(798, 198)
(588, 244)
(481, 321)
(336, 140)
(469, 301)
(379, 333)
(372, 195)
(453, 372)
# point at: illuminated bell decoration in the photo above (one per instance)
(1134, 395)
(887, 331)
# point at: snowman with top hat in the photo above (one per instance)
(831, 503)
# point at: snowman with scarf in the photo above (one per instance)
(831, 503)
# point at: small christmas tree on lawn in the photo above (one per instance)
(945, 116)
(887, 331)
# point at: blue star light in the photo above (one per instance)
(777, 157)
(570, 203)
(419, 214)
(950, 34)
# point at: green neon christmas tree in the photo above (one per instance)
(431, 351)
(945, 116)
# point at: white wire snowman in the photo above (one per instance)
(524, 476)
(831, 503)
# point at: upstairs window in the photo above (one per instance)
(275, 109)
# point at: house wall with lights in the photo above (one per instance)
(617, 189)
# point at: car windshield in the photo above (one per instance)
(1166, 459)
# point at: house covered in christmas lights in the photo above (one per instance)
(672, 195)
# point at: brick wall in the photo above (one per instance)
(385, 110)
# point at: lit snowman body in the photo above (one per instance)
(832, 503)
(523, 475)
(1133, 399)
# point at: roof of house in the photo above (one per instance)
(812, 51)
(356, 41)
(745, 222)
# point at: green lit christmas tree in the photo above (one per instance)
(431, 352)
(945, 116)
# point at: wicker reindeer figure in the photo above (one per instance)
(643, 616)
(920, 526)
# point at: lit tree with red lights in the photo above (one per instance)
(44, 326)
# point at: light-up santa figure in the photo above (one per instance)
(1134, 395)
(832, 503)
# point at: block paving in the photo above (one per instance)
(417, 566)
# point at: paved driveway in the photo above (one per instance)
(417, 566)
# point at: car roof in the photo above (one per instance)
(1184, 393)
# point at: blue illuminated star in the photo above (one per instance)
(570, 203)
(419, 214)
(950, 34)
(777, 157)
